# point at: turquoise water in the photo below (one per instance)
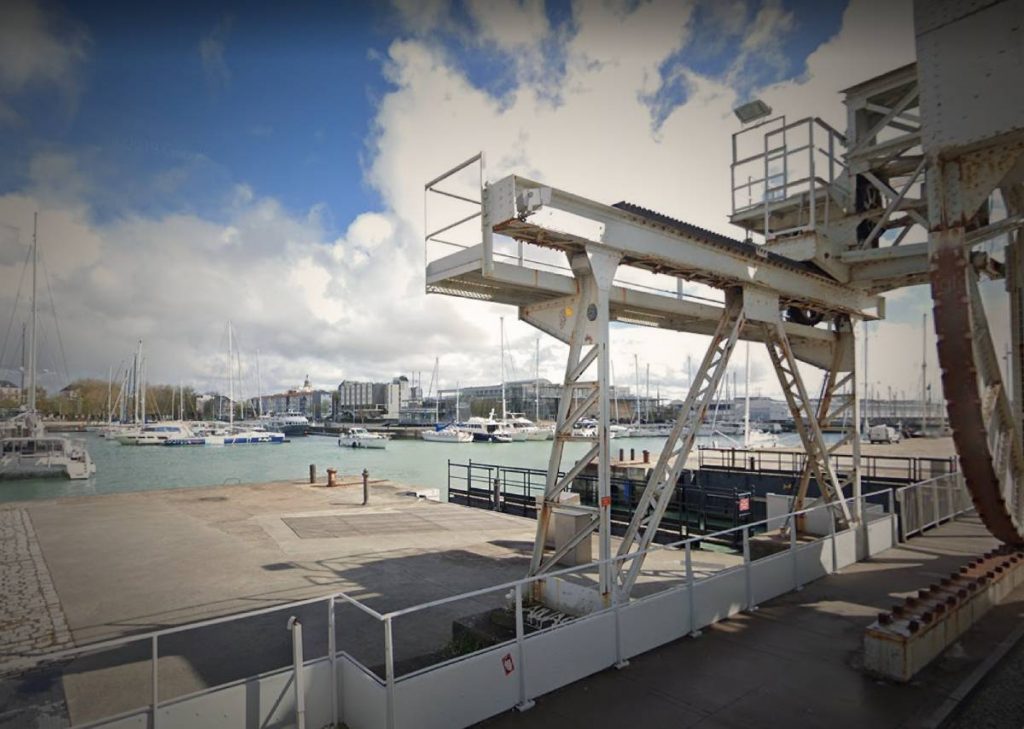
(411, 462)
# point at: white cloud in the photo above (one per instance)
(353, 306)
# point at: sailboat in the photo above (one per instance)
(233, 435)
(26, 451)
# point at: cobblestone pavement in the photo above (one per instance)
(31, 619)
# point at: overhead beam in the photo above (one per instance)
(460, 274)
(513, 204)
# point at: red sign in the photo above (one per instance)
(606, 501)
(507, 664)
(744, 504)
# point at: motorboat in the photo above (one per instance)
(362, 438)
(487, 430)
(446, 434)
(525, 429)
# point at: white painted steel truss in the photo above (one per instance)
(581, 321)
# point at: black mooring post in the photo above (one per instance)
(366, 487)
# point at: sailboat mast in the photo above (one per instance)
(231, 380)
(647, 405)
(504, 414)
(259, 385)
(24, 360)
(636, 373)
(110, 394)
(142, 384)
(746, 399)
(32, 328)
(536, 384)
(924, 371)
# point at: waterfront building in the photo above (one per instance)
(316, 404)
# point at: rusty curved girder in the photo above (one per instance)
(986, 436)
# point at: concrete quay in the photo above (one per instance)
(100, 567)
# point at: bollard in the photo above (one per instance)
(647, 456)
(312, 473)
(331, 476)
(497, 494)
(366, 487)
(753, 462)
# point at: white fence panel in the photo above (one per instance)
(460, 693)
(266, 700)
(846, 548)
(716, 598)
(771, 576)
(654, 621)
(560, 656)
(814, 560)
(363, 698)
(879, 534)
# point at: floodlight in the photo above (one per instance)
(752, 111)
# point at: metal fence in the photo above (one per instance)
(518, 490)
(929, 503)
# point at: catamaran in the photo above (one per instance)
(26, 451)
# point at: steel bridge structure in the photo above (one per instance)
(933, 151)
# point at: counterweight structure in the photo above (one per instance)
(836, 214)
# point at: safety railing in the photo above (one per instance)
(798, 164)
(420, 676)
(929, 503)
(910, 469)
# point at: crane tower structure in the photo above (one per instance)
(933, 152)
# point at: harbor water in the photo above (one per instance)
(415, 463)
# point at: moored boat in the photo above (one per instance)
(446, 434)
(362, 438)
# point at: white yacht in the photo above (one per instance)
(487, 430)
(362, 438)
(525, 429)
(446, 434)
(155, 434)
(240, 436)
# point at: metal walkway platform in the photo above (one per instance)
(766, 668)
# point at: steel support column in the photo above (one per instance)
(839, 402)
(806, 419)
(581, 321)
(663, 478)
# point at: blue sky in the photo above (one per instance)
(284, 100)
(264, 163)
